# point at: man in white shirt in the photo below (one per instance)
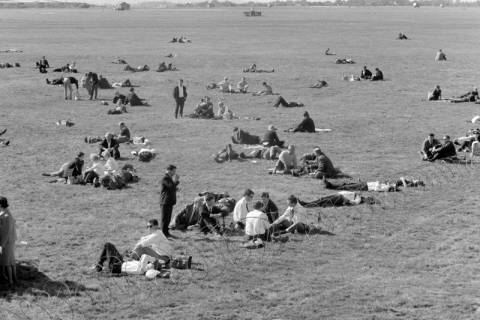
(155, 245)
(294, 218)
(256, 223)
(242, 208)
(180, 95)
(287, 161)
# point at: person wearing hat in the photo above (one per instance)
(307, 124)
(168, 197)
(446, 150)
(8, 236)
(124, 135)
(428, 145)
(69, 169)
(180, 95)
(293, 219)
(271, 138)
(111, 145)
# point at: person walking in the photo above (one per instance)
(180, 95)
(168, 198)
(8, 237)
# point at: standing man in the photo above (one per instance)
(168, 198)
(180, 95)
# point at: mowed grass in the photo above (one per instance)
(415, 256)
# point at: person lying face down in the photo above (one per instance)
(154, 245)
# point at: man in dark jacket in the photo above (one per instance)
(366, 74)
(168, 198)
(271, 138)
(111, 145)
(446, 150)
(180, 95)
(306, 125)
(207, 221)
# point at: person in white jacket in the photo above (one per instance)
(256, 223)
(242, 207)
(154, 246)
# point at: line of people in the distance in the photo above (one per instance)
(470, 96)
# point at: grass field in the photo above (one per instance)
(415, 256)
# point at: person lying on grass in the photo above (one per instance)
(224, 112)
(471, 96)
(377, 186)
(292, 104)
(228, 154)
(366, 74)
(154, 245)
(244, 137)
(267, 90)
(253, 68)
(340, 199)
(307, 125)
(71, 169)
(111, 145)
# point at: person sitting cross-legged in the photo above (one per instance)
(293, 219)
(155, 245)
(269, 207)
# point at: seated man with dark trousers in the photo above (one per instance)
(207, 221)
(307, 124)
(446, 150)
(271, 138)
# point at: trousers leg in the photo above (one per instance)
(113, 256)
(165, 217)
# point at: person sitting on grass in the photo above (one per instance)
(207, 220)
(428, 145)
(328, 53)
(189, 216)
(319, 84)
(293, 219)
(257, 225)
(124, 135)
(134, 100)
(242, 86)
(4, 142)
(111, 145)
(224, 112)
(242, 208)
(287, 161)
(281, 101)
(204, 109)
(224, 85)
(366, 74)
(42, 65)
(269, 207)
(440, 56)
(378, 76)
(155, 245)
(307, 125)
(376, 186)
(253, 68)
(271, 138)
(111, 165)
(243, 137)
(96, 172)
(465, 143)
(71, 169)
(435, 95)
(267, 90)
(120, 99)
(471, 96)
(444, 152)
(228, 154)
(402, 36)
(321, 166)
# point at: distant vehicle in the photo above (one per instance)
(252, 13)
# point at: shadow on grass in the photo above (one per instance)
(32, 281)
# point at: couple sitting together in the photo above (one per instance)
(433, 150)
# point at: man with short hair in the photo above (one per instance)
(271, 138)
(287, 160)
(124, 135)
(109, 144)
(180, 95)
(207, 221)
(324, 166)
(269, 207)
(293, 219)
(428, 145)
(242, 208)
(366, 74)
(307, 124)
(168, 197)
(155, 244)
(446, 150)
(435, 95)
(257, 224)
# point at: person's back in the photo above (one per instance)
(271, 138)
(289, 159)
(134, 99)
(268, 89)
(256, 223)
(156, 241)
(307, 125)
(125, 132)
(325, 166)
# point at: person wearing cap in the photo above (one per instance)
(257, 223)
(111, 145)
(8, 236)
(168, 197)
(207, 220)
(446, 150)
(366, 74)
(180, 95)
(281, 101)
(307, 124)
(287, 161)
(269, 207)
(271, 138)
(267, 90)
(69, 169)
(436, 94)
(154, 244)
(293, 219)
(124, 135)
(242, 207)
(428, 145)
(378, 75)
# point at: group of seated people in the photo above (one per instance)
(402, 36)
(433, 150)
(67, 68)
(344, 61)
(367, 74)
(137, 69)
(162, 67)
(42, 65)
(181, 39)
(131, 98)
(204, 109)
(253, 68)
(7, 65)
